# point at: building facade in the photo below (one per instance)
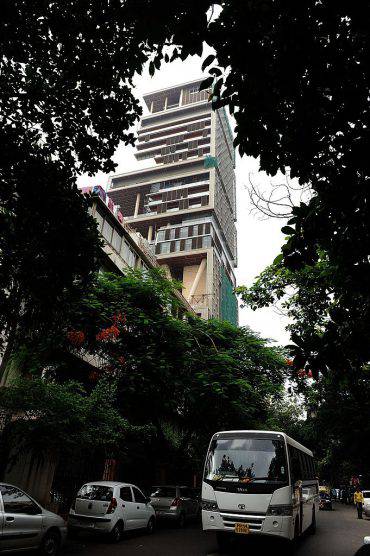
(123, 246)
(185, 204)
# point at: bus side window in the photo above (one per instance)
(314, 468)
(303, 458)
(311, 467)
(295, 468)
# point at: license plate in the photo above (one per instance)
(88, 524)
(242, 528)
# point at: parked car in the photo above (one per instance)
(366, 494)
(111, 508)
(25, 525)
(365, 548)
(325, 501)
(178, 503)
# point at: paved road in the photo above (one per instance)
(339, 533)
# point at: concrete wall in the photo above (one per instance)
(188, 279)
(34, 475)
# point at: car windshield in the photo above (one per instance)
(247, 460)
(366, 493)
(163, 492)
(95, 492)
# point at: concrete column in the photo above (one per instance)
(137, 204)
(197, 278)
(150, 233)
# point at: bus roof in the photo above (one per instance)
(288, 439)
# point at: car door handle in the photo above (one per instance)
(9, 518)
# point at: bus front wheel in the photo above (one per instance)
(223, 541)
(292, 544)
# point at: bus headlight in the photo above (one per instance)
(209, 505)
(280, 509)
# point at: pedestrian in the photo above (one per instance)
(358, 498)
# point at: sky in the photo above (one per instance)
(259, 239)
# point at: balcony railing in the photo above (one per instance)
(204, 299)
(140, 241)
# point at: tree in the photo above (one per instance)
(335, 398)
(48, 417)
(65, 102)
(296, 106)
(184, 378)
(48, 244)
(306, 297)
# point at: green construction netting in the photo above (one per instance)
(210, 161)
(229, 303)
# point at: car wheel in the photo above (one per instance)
(292, 544)
(73, 534)
(116, 534)
(223, 541)
(50, 544)
(181, 520)
(150, 528)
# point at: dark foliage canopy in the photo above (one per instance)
(295, 75)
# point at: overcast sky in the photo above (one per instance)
(259, 240)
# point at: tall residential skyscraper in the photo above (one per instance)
(185, 203)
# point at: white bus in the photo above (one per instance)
(259, 483)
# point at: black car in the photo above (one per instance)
(326, 502)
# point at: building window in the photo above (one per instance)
(99, 219)
(188, 243)
(165, 247)
(127, 254)
(207, 241)
(107, 231)
(160, 235)
(116, 241)
(184, 232)
(192, 144)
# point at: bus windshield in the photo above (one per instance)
(244, 459)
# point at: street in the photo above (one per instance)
(339, 533)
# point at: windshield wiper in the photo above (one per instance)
(250, 479)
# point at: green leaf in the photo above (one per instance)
(288, 230)
(278, 259)
(215, 71)
(208, 61)
(206, 83)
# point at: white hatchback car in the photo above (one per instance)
(25, 525)
(112, 508)
(366, 494)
